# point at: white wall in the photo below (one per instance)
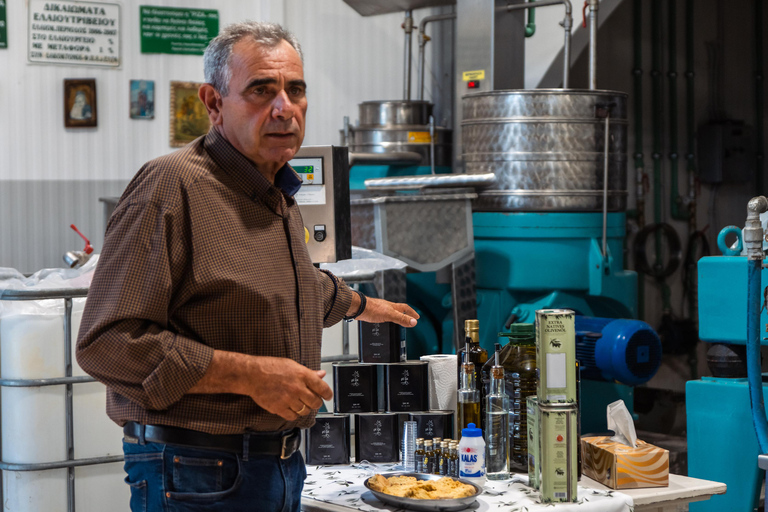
(51, 177)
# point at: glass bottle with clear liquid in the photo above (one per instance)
(468, 397)
(497, 425)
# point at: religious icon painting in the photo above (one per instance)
(189, 117)
(142, 99)
(80, 103)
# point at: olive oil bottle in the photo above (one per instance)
(468, 397)
(429, 457)
(418, 455)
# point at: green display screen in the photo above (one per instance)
(3, 26)
(304, 169)
(177, 31)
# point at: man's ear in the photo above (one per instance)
(212, 101)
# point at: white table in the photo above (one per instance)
(674, 498)
(681, 491)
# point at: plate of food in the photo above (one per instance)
(420, 491)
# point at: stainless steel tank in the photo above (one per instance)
(399, 125)
(546, 148)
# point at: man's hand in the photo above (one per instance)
(279, 385)
(379, 310)
(287, 388)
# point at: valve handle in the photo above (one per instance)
(88, 247)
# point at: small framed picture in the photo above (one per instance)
(142, 99)
(189, 117)
(80, 103)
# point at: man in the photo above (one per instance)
(205, 314)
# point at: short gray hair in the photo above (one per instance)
(216, 57)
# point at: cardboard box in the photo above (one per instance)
(620, 466)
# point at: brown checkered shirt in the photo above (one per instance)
(202, 253)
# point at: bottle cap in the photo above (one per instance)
(519, 330)
(471, 325)
(471, 431)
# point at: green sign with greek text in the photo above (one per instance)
(177, 31)
(3, 26)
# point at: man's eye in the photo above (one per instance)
(296, 91)
(260, 90)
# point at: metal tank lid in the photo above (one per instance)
(548, 92)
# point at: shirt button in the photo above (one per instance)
(167, 495)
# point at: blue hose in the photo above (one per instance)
(754, 372)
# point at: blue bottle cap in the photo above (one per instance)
(471, 431)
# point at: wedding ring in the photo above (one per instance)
(303, 406)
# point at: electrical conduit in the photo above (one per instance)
(753, 242)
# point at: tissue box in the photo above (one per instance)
(620, 466)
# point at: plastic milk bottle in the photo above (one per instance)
(472, 455)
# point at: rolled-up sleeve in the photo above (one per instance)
(125, 339)
(337, 297)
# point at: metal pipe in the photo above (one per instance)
(432, 143)
(423, 38)
(658, 123)
(605, 186)
(567, 24)
(408, 28)
(690, 113)
(676, 201)
(753, 242)
(593, 6)
(637, 72)
(345, 133)
(759, 97)
(530, 27)
(69, 404)
(437, 181)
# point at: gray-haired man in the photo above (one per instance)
(205, 315)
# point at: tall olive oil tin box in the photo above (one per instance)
(431, 424)
(407, 386)
(355, 388)
(327, 441)
(381, 342)
(377, 438)
(558, 452)
(556, 356)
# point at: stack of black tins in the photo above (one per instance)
(378, 412)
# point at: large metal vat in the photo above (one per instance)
(400, 125)
(546, 148)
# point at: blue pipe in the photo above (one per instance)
(754, 372)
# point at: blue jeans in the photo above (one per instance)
(170, 478)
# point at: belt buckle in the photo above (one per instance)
(290, 444)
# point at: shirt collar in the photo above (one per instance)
(247, 177)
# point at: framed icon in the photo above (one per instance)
(189, 117)
(80, 103)
(142, 99)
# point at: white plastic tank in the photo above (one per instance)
(33, 424)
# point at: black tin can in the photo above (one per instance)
(327, 441)
(381, 343)
(407, 386)
(354, 388)
(377, 438)
(430, 424)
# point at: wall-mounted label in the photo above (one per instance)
(3, 26)
(177, 31)
(420, 137)
(473, 75)
(84, 33)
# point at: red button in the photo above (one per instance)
(559, 439)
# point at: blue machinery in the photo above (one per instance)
(727, 427)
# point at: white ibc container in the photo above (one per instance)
(32, 346)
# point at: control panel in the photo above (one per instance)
(324, 201)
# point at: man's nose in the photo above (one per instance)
(282, 107)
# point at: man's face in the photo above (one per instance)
(263, 114)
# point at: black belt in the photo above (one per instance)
(282, 444)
